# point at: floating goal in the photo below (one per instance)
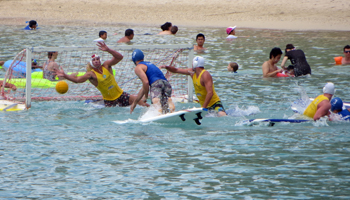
(34, 87)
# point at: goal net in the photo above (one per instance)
(31, 86)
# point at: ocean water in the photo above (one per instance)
(72, 150)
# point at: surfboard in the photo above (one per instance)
(273, 121)
(193, 115)
(187, 116)
(6, 105)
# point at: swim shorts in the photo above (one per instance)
(217, 107)
(161, 89)
(122, 101)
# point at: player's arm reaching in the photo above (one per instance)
(73, 77)
(145, 86)
(117, 57)
(188, 71)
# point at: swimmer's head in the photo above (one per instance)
(95, 61)
(289, 47)
(32, 24)
(102, 34)
(137, 55)
(337, 104)
(329, 88)
(198, 61)
(233, 67)
(230, 29)
(275, 52)
(166, 26)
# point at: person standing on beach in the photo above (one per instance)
(298, 60)
(129, 35)
(320, 106)
(203, 85)
(166, 29)
(153, 81)
(101, 76)
(269, 68)
(200, 39)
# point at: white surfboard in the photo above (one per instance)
(188, 116)
(6, 105)
(193, 115)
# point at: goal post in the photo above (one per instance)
(34, 87)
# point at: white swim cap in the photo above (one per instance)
(198, 61)
(329, 88)
(92, 57)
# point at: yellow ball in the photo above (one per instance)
(62, 87)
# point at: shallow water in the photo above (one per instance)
(62, 150)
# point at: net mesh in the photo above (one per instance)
(75, 60)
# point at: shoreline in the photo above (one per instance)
(250, 14)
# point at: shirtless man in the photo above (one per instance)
(269, 67)
(320, 106)
(203, 85)
(129, 35)
(166, 29)
(101, 76)
(200, 39)
(346, 59)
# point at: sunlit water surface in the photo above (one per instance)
(60, 150)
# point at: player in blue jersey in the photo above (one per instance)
(337, 107)
(153, 81)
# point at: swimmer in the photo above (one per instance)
(232, 67)
(153, 82)
(320, 106)
(231, 31)
(32, 25)
(50, 66)
(101, 76)
(203, 85)
(166, 29)
(337, 107)
(298, 60)
(174, 30)
(269, 68)
(102, 35)
(200, 39)
(346, 59)
(129, 35)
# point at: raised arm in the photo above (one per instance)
(117, 57)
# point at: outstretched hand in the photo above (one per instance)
(59, 72)
(102, 46)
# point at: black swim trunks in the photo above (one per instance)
(217, 107)
(122, 101)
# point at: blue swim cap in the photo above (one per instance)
(337, 104)
(137, 55)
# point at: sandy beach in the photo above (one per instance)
(261, 14)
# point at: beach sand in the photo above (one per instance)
(260, 14)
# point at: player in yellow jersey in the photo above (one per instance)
(203, 85)
(320, 106)
(101, 76)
